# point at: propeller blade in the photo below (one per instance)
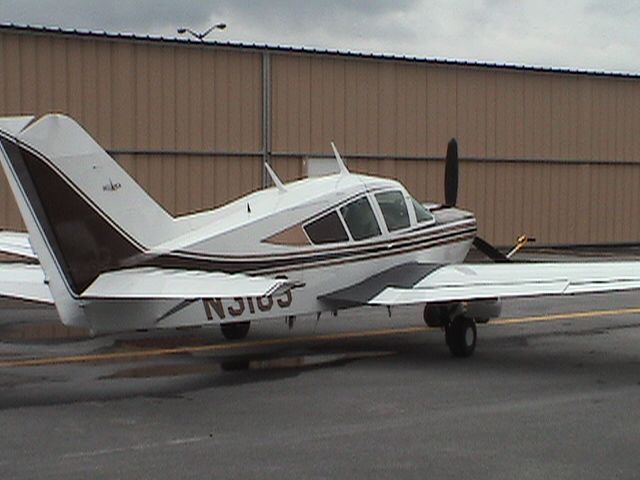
(451, 174)
(490, 251)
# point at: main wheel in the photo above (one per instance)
(435, 315)
(235, 331)
(460, 335)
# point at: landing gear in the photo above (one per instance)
(235, 331)
(437, 314)
(460, 334)
(459, 319)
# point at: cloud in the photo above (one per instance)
(140, 16)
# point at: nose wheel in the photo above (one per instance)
(460, 335)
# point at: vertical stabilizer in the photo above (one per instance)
(84, 214)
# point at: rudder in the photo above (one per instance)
(84, 213)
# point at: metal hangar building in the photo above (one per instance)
(548, 152)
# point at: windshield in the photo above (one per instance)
(422, 214)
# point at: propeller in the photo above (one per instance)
(451, 174)
(451, 197)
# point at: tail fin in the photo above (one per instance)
(84, 213)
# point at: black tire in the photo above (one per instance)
(235, 331)
(461, 335)
(435, 315)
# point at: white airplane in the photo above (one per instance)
(111, 259)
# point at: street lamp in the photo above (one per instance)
(201, 36)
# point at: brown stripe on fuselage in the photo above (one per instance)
(390, 253)
(268, 265)
(411, 235)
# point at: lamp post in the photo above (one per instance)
(201, 36)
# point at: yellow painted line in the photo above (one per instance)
(115, 356)
(101, 357)
(566, 316)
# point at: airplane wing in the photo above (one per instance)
(16, 243)
(26, 282)
(422, 283)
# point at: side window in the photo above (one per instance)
(360, 219)
(422, 214)
(326, 229)
(394, 209)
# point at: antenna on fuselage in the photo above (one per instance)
(276, 180)
(341, 165)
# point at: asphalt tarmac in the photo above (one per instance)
(553, 391)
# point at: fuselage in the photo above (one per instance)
(323, 234)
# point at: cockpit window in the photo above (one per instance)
(422, 214)
(360, 219)
(394, 209)
(326, 229)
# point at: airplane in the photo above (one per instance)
(111, 259)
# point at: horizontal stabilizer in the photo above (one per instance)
(16, 243)
(478, 281)
(25, 282)
(158, 283)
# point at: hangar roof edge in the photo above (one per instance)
(311, 50)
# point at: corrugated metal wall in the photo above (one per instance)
(185, 122)
(555, 155)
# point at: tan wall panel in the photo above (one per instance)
(510, 115)
(104, 134)
(627, 128)
(167, 96)
(491, 114)
(441, 108)
(288, 168)
(89, 79)
(154, 107)
(318, 109)
(538, 110)
(182, 184)
(183, 113)
(122, 101)
(334, 114)
(142, 96)
(137, 95)
(605, 120)
(366, 91)
(585, 118)
(422, 120)
(560, 118)
(472, 112)
(386, 108)
(11, 73)
(494, 113)
(635, 122)
(577, 209)
(383, 134)
(28, 73)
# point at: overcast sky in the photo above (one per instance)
(585, 34)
